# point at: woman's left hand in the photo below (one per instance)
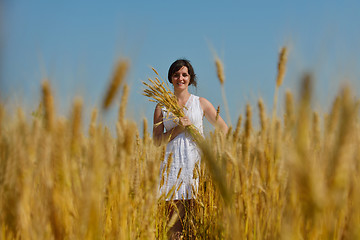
(185, 121)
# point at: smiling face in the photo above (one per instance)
(181, 78)
(177, 66)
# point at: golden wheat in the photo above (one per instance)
(48, 104)
(220, 70)
(290, 179)
(117, 79)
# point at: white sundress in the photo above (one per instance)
(185, 155)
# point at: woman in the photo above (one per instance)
(180, 146)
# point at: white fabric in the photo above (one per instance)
(185, 154)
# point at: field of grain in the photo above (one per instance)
(295, 177)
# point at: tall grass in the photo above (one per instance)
(296, 177)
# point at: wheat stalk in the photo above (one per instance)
(118, 77)
(279, 80)
(48, 101)
(281, 66)
(221, 76)
(123, 104)
(262, 115)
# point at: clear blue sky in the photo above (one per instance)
(77, 43)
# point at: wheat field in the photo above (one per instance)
(296, 176)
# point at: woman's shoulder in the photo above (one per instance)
(159, 108)
(203, 100)
(205, 104)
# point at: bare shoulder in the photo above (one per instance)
(158, 106)
(205, 103)
(158, 111)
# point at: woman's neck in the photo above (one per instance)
(182, 96)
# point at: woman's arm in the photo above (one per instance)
(159, 136)
(210, 114)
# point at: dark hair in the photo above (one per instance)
(177, 65)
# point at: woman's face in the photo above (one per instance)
(181, 78)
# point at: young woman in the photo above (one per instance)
(180, 146)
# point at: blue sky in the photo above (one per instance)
(77, 43)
